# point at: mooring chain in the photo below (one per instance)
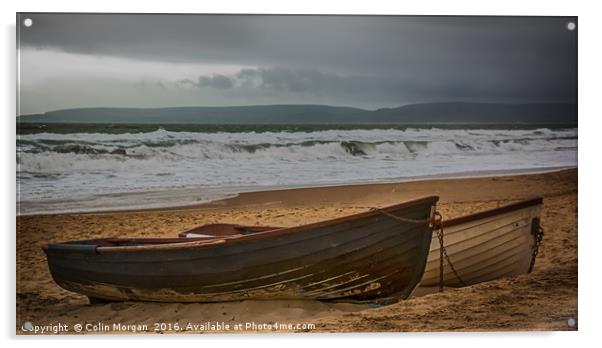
(536, 245)
(435, 223)
(442, 254)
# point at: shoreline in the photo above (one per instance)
(231, 199)
(542, 300)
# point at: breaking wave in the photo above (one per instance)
(335, 143)
(52, 164)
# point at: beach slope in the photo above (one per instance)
(543, 300)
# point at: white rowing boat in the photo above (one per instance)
(487, 245)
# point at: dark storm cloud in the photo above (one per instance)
(379, 89)
(393, 59)
(292, 80)
(214, 81)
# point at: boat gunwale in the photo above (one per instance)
(241, 238)
(492, 212)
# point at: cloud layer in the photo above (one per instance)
(365, 61)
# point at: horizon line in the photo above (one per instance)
(287, 104)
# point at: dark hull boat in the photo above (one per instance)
(377, 256)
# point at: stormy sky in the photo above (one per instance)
(89, 60)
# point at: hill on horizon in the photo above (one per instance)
(446, 112)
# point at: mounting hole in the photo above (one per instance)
(571, 322)
(28, 22)
(571, 26)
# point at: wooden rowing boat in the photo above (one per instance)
(484, 246)
(487, 245)
(369, 256)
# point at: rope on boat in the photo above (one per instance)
(402, 219)
(434, 223)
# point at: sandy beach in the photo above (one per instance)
(542, 300)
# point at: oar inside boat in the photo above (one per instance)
(220, 230)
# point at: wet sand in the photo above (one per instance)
(542, 300)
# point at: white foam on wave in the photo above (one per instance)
(56, 168)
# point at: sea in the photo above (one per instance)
(99, 167)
